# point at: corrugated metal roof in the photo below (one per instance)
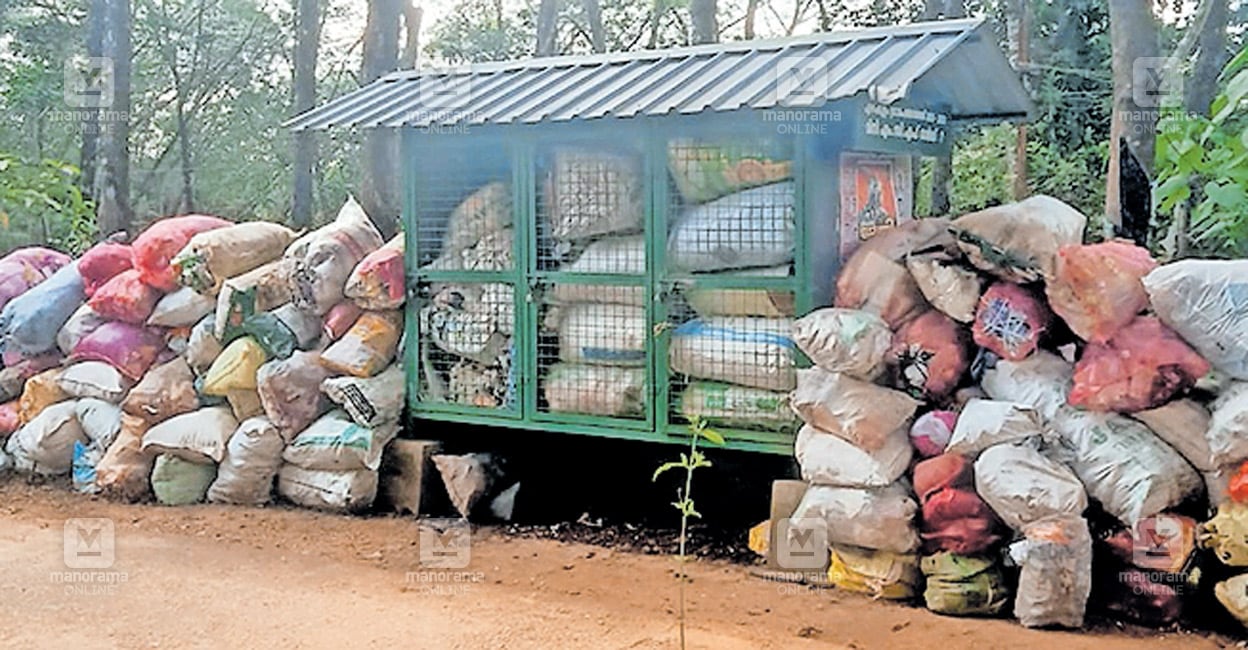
(954, 64)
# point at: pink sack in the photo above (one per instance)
(931, 432)
(1141, 367)
(1096, 288)
(26, 267)
(157, 246)
(377, 283)
(125, 298)
(1010, 320)
(340, 319)
(9, 421)
(128, 348)
(102, 263)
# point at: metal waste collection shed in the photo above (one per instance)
(610, 244)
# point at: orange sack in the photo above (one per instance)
(155, 248)
(1096, 288)
(1141, 367)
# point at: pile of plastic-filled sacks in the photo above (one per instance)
(1001, 419)
(207, 360)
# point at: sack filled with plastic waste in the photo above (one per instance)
(325, 258)
(154, 249)
(929, 355)
(24, 268)
(1018, 242)
(1141, 367)
(1056, 577)
(848, 341)
(378, 283)
(1096, 288)
(862, 413)
(212, 257)
(252, 458)
(1010, 321)
(131, 349)
(1203, 301)
(102, 262)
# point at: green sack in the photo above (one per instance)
(275, 338)
(960, 585)
(743, 407)
(177, 482)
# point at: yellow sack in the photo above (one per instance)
(891, 576)
(1233, 594)
(41, 391)
(235, 369)
(1227, 534)
(760, 537)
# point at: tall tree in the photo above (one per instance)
(1134, 40)
(91, 123)
(547, 27)
(112, 179)
(307, 44)
(597, 33)
(1211, 55)
(379, 189)
(705, 25)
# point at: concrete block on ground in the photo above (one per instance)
(408, 477)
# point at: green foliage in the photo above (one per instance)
(40, 203)
(691, 461)
(1202, 166)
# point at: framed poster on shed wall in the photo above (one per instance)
(877, 193)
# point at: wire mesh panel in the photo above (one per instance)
(733, 208)
(593, 323)
(730, 302)
(467, 273)
(467, 352)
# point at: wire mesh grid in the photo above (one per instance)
(463, 210)
(591, 253)
(466, 298)
(730, 253)
(467, 346)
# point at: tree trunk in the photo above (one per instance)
(112, 176)
(705, 26)
(307, 44)
(187, 203)
(942, 170)
(1201, 83)
(413, 16)
(751, 15)
(547, 19)
(1133, 37)
(1022, 43)
(379, 189)
(91, 123)
(597, 34)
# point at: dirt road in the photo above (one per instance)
(209, 576)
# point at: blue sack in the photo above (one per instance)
(30, 322)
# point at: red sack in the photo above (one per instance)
(1141, 367)
(128, 348)
(929, 355)
(1238, 487)
(125, 298)
(24, 268)
(378, 281)
(9, 421)
(952, 504)
(1096, 288)
(102, 263)
(154, 249)
(931, 431)
(1010, 321)
(961, 536)
(940, 472)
